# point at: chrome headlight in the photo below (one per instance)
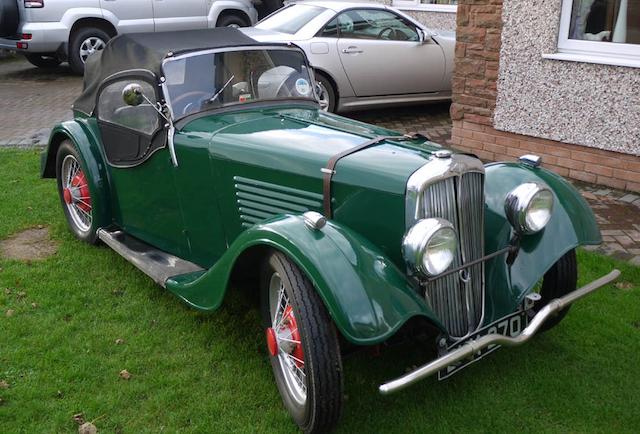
(430, 246)
(528, 207)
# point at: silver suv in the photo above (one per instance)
(49, 32)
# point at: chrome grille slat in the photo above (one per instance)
(460, 200)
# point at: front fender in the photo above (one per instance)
(367, 296)
(572, 224)
(81, 134)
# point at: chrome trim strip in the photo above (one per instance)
(473, 347)
(437, 169)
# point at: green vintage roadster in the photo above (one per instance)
(204, 159)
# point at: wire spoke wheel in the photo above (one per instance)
(76, 194)
(82, 211)
(303, 345)
(284, 331)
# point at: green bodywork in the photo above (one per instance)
(245, 177)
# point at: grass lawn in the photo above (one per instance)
(196, 372)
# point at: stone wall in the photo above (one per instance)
(477, 89)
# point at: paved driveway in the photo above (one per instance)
(33, 100)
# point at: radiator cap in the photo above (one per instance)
(443, 153)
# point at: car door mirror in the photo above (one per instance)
(425, 36)
(132, 94)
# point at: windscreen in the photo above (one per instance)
(290, 19)
(203, 81)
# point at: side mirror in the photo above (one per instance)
(132, 94)
(425, 36)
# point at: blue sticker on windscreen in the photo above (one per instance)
(302, 86)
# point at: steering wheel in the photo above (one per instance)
(388, 33)
(194, 93)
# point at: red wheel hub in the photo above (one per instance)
(78, 192)
(67, 196)
(293, 341)
(290, 322)
(272, 342)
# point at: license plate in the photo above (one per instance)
(511, 325)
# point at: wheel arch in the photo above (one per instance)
(235, 12)
(99, 23)
(572, 224)
(367, 297)
(89, 152)
(331, 79)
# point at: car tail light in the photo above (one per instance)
(26, 36)
(22, 45)
(33, 3)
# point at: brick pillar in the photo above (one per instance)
(479, 29)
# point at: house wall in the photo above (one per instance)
(583, 119)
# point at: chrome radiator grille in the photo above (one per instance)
(458, 299)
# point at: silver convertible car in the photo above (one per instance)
(365, 55)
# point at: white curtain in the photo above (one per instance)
(620, 28)
(579, 14)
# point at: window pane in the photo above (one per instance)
(606, 21)
(291, 19)
(330, 30)
(112, 108)
(375, 24)
(210, 80)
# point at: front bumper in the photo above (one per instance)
(473, 347)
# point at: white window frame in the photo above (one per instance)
(609, 53)
(415, 5)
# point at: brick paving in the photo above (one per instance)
(33, 100)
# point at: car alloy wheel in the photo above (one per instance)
(323, 98)
(75, 190)
(90, 46)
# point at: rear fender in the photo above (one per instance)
(367, 296)
(572, 224)
(80, 133)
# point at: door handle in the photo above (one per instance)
(352, 50)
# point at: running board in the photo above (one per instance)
(154, 263)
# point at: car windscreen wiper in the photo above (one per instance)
(217, 94)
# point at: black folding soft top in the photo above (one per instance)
(147, 51)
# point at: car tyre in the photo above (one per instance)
(308, 374)
(45, 62)
(232, 20)
(328, 94)
(73, 188)
(561, 279)
(9, 17)
(85, 42)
